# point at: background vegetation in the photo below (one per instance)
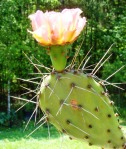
(106, 24)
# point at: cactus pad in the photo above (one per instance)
(78, 105)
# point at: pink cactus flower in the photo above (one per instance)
(57, 28)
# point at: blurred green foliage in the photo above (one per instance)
(106, 24)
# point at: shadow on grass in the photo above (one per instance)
(18, 133)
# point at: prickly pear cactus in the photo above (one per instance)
(79, 106)
(74, 102)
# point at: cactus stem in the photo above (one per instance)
(58, 57)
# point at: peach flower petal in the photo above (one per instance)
(57, 28)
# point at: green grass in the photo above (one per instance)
(15, 138)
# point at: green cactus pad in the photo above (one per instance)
(79, 106)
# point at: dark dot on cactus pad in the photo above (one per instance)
(47, 119)
(47, 111)
(70, 138)
(96, 109)
(61, 101)
(80, 106)
(90, 144)
(109, 115)
(63, 130)
(72, 84)
(122, 138)
(89, 86)
(86, 137)
(68, 122)
(109, 141)
(108, 130)
(90, 126)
